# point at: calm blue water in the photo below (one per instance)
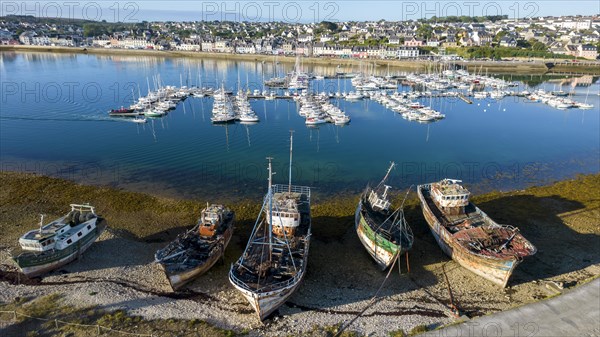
(53, 120)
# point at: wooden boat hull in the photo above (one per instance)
(265, 303)
(178, 280)
(35, 265)
(380, 249)
(493, 269)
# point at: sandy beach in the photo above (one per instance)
(118, 273)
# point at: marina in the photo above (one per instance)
(159, 147)
(320, 107)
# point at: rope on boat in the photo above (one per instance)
(372, 301)
(455, 310)
(451, 309)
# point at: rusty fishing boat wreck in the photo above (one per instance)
(274, 262)
(384, 233)
(59, 242)
(470, 236)
(194, 252)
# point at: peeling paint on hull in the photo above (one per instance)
(382, 257)
(493, 269)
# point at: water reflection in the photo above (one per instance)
(511, 143)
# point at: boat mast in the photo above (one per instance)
(290, 174)
(270, 196)
(41, 222)
(392, 164)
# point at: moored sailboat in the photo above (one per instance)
(470, 236)
(275, 259)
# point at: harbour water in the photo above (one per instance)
(54, 121)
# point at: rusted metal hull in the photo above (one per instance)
(493, 269)
(178, 280)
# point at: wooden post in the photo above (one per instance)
(407, 264)
(98, 330)
(56, 323)
(399, 264)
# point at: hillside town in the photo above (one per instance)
(493, 37)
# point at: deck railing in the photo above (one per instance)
(293, 188)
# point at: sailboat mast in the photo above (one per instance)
(290, 174)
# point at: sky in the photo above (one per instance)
(291, 11)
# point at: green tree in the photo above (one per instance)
(538, 46)
(185, 33)
(425, 31)
(93, 29)
(331, 26)
(523, 44)
(500, 35)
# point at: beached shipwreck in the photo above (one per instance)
(470, 236)
(194, 252)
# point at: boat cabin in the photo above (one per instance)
(450, 196)
(285, 215)
(380, 203)
(212, 217)
(38, 241)
(46, 237)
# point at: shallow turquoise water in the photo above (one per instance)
(54, 121)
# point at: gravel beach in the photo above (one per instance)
(118, 272)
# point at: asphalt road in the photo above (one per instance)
(574, 313)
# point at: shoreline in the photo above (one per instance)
(517, 67)
(140, 223)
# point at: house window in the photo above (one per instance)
(79, 234)
(69, 241)
(89, 226)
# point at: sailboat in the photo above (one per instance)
(275, 81)
(274, 261)
(585, 105)
(384, 233)
(222, 111)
